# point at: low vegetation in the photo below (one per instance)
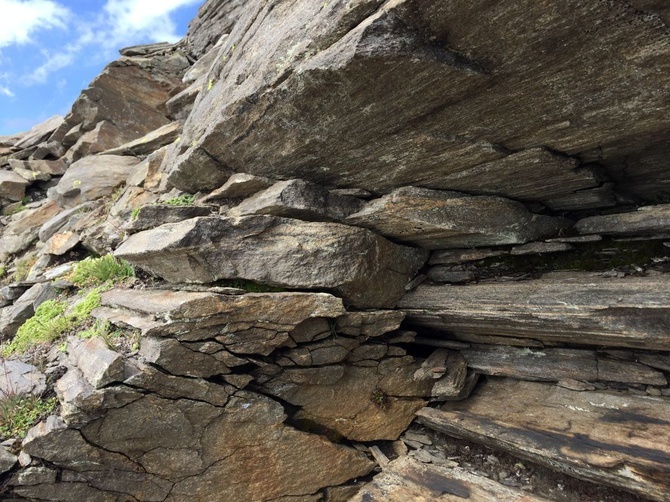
(98, 271)
(182, 200)
(18, 413)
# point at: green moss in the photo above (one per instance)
(23, 267)
(250, 286)
(135, 213)
(182, 200)
(51, 321)
(97, 271)
(19, 413)
(45, 326)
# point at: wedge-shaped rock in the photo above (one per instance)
(91, 178)
(647, 220)
(51, 167)
(12, 186)
(617, 440)
(578, 308)
(39, 132)
(100, 365)
(299, 199)
(148, 143)
(23, 228)
(365, 269)
(437, 219)
(151, 216)
(408, 479)
(239, 185)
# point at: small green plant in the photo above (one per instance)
(3, 270)
(18, 413)
(97, 271)
(380, 399)
(135, 213)
(182, 200)
(23, 267)
(101, 328)
(21, 206)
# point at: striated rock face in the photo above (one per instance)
(436, 219)
(367, 270)
(418, 93)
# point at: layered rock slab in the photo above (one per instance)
(618, 440)
(571, 307)
(317, 103)
(437, 219)
(364, 268)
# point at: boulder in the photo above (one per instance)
(367, 270)
(19, 378)
(436, 219)
(149, 142)
(99, 365)
(12, 186)
(51, 167)
(239, 185)
(91, 178)
(12, 317)
(301, 200)
(23, 228)
(154, 215)
(39, 133)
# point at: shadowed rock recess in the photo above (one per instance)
(369, 240)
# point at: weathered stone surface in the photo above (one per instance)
(39, 132)
(150, 216)
(301, 200)
(367, 270)
(557, 364)
(51, 167)
(58, 221)
(35, 476)
(372, 324)
(7, 460)
(617, 440)
(363, 403)
(149, 142)
(103, 136)
(17, 378)
(100, 365)
(458, 79)
(22, 229)
(455, 256)
(448, 368)
(540, 247)
(31, 176)
(60, 243)
(440, 219)
(12, 185)
(148, 173)
(647, 220)
(180, 105)
(449, 275)
(91, 178)
(180, 358)
(571, 307)
(214, 18)
(48, 150)
(239, 185)
(130, 94)
(408, 479)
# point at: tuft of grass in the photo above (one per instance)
(23, 267)
(51, 321)
(182, 200)
(97, 271)
(19, 412)
(135, 213)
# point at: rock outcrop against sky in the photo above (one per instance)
(330, 251)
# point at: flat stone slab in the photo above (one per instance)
(148, 143)
(17, 377)
(12, 185)
(618, 440)
(239, 185)
(438, 219)
(362, 267)
(646, 220)
(571, 307)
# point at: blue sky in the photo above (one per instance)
(51, 49)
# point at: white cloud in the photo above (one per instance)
(52, 63)
(6, 92)
(20, 19)
(147, 20)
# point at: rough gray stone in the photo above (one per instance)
(301, 200)
(39, 132)
(367, 270)
(7, 460)
(19, 378)
(149, 142)
(91, 178)
(541, 247)
(151, 216)
(23, 228)
(11, 318)
(100, 365)
(647, 220)
(436, 219)
(12, 186)
(239, 185)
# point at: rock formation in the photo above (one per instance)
(331, 237)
